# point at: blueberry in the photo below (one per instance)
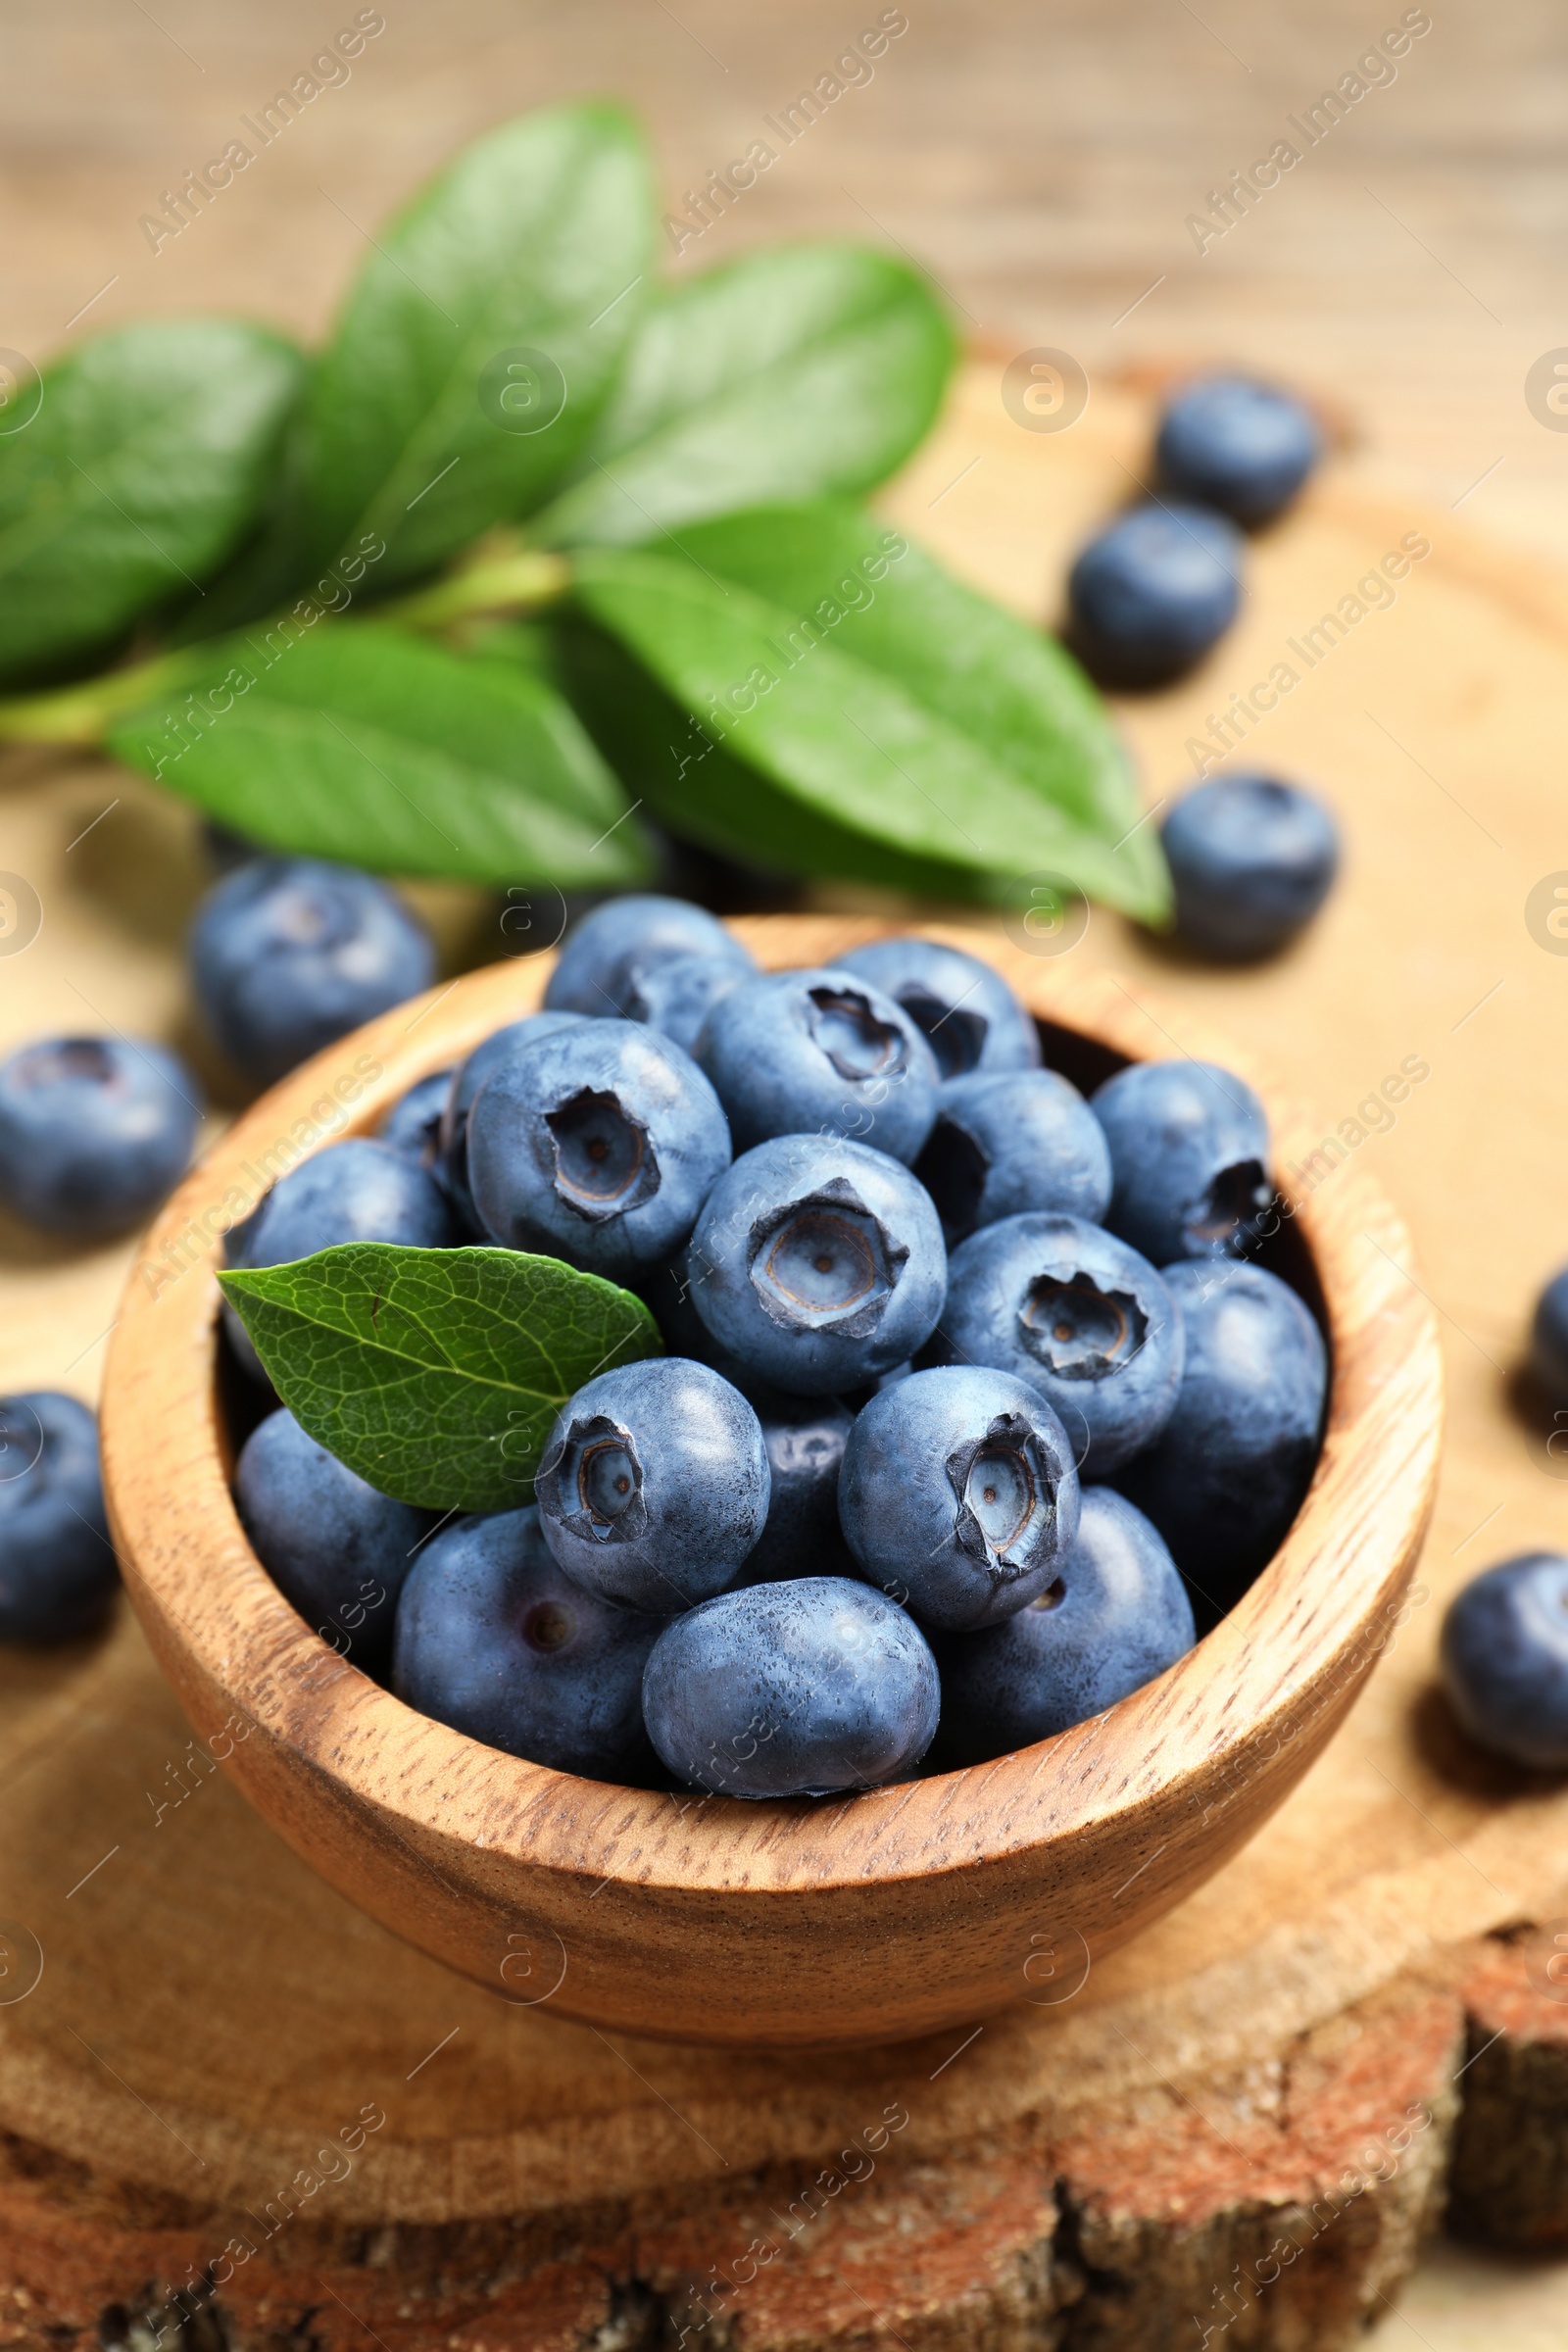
(792, 1689)
(1115, 1615)
(95, 1132)
(1002, 1145)
(412, 1125)
(495, 1639)
(1227, 1476)
(1189, 1159)
(1243, 447)
(472, 1074)
(57, 1566)
(1070, 1308)
(818, 1263)
(1505, 1654)
(1252, 861)
(598, 1144)
(1548, 1339)
(654, 1485)
(287, 953)
(1154, 592)
(336, 1549)
(624, 940)
(805, 1437)
(820, 1053)
(959, 1494)
(676, 997)
(964, 1009)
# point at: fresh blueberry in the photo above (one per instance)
(818, 1263)
(1189, 1159)
(654, 1485)
(963, 1008)
(1548, 1339)
(470, 1075)
(95, 1132)
(598, 1144)
(1115, 1615)
(793, 1689)
(1252, 861)
(287, 953)
(1229, 442)
(676, 997)
(1070, 1308)
(1504, 1654)
(336, 1549)
(820, 1053)
(57, 1566)
(412, 1125)
(959, 1495)
(805, 1437)
(1154, 592)
(1004, 1143)
(1227, 1475)
(621, 941)
(495, 1639)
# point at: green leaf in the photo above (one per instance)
(791, 373)
(365, 744)
(879, 693)
(436, 1373)
(537, 240)
(143, 468)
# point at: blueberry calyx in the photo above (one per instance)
(1227, 1216)
(605, 1163)
(828, 1264)
(594, 1484)
(956, 1037)
(1079, 1331)
(1006, 1501)
(845, 1028)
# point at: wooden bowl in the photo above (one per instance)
(799, 1922)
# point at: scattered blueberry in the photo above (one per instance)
(1227, 1475)
(287, 953)
(818, 1263)
(1229, 442)
(1004, 1143)
(805, 1437)
(1189, 1159)
(412, 1125)
(1505, 1654)
(793, 1689)
(495, 1639)
(1548, 1339)
(1151, 595)
(958, 1496)
(1115, 1615)
(470, 1075)
(620, 942)
(654, 1485)
(676, 997)
(57, 1566)
(963, 1008)
(820, 1053)
(95, 1132)
(1252, 861)
(598, 1144)
(1075, 1313)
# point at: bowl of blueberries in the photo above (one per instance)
(997, 1512)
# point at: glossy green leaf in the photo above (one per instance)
(361, 743)
(507, 289)
(146, 462)
(792, 373)
(436, 1373)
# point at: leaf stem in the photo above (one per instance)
(79, 714)
(523, 582)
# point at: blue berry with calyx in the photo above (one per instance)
(337, 1549)
(1230, 442)
(467, 1081)
(1152, 593)
(95, 1132)
(1228, 1472)
(820, 1053)
(58, 1576)
(677, 997)
(1189, 1159)
(1548, 1339)
(1252, 861)
(792, 1689)
(653, 1485)
(620, 942)
(1505, 1654)
(1070, 1308)
(817, 1265)
(288, 953)
(963, 1008)
(958, 1496)
(493, 1638)
(412, 1125)
(805, 1437)
(1005, 1144)
(1115, 1615)
(598, 1144)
